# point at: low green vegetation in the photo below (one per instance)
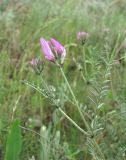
(33, 125)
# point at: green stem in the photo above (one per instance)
(75, 100)
(84, 59)
(74, 123)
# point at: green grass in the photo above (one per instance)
(22, 23)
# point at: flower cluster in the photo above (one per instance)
(52, 50)
(55, 52)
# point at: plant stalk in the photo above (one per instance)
(75, 100)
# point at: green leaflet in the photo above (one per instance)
(14, 142)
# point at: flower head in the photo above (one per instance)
(53, 50)
(82, 36)
(46, 50)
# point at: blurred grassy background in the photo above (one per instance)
(22, 23)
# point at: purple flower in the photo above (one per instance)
(46, 50)
(58, 49)
(57, 46)
(82, 36)
(53, 50)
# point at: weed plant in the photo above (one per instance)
(73, 112)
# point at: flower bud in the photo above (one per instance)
(58, 49)
(32, 62)
(37, 65)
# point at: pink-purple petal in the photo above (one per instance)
(46, 50)
(57, 46)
